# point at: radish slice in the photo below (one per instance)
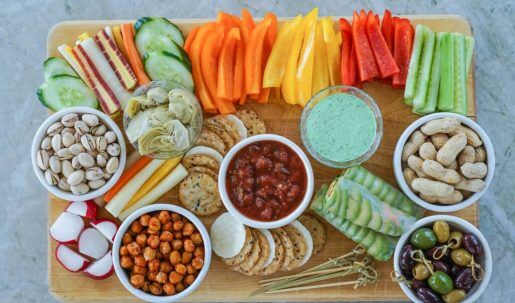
(87, 209)
(92, 243)
(309, 240)
(106, 227)
(227, 236)
(271, 246)
(101, 268)
(66, 229)
(240, 127)
(204, 150)
(69, 259)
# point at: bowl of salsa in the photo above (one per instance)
(266, 181)
(341, 126)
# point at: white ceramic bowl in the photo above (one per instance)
(124, 277)
(41, 133)
(397, 165)
(266, 224)
(455, 223)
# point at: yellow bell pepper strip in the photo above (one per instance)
(321, 77)
(117, 33)
(332, 49)
(288, 87)
(275, 67)
(304, 74)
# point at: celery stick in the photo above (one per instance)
(409, 91)
(460, 75)
(434, 80)
(446, 90)
(469, 51)
(424, 71)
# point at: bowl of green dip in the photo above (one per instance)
(341, 126)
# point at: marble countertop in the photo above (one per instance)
(25, 25)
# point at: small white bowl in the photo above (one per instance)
(41, 134)
(458, 224)
(266, 224)
(397, 163)
(124, 277)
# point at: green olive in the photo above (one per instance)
(455, 296)
(455, 240)
(421, 272)
(461, 257)
(440, 282)
(441, 230)
(423, 238)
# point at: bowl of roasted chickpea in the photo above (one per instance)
(161, 253)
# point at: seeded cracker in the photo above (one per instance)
(254, 124)
(200, 160)
(278, 258)
(199, 193)
(299, 246)
(210, 139)
(288, 247)
(203, 170)
(264, 252)
(247, 264)
(317, 230)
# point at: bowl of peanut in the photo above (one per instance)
(444, 162)
(161, 253)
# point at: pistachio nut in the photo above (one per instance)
(64, 154)
(90, 120)
(112, 165)
(102, 158)
(101, 143)
(98, 130)
(86, 160)
(57, 142)
(55, 164)
(42, 159)
(63, 184)
(76, 148)
(79, 189)
(113, 149)
(51, 177)
(81, 127)
(54, 129)
(66, 168)
(75, 178)
(69, 120)
(88, 141)
(110, 136)
(67, 139)
(68, 130)
(94, 173)
(96, 184)
(75, 162)
(46, 144)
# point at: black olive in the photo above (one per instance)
(464, 279)
(426, 295)
(456, 270)
(442, 266)
(419, 284)
(430, 253)
(406, 263)
(471, 243)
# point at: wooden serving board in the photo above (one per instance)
(220, 283)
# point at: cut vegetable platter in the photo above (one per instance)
(282, 119)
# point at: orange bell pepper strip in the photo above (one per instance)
(304, 74)
(226, 62)
(247, 25)
(239, 70)
(264, 95)
(197, 45)
(254, 53)
(271, 34)
(189, 39)
(228, 20)
(134, 58)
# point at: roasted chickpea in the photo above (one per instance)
(124, 251)
(179, 287)
(140, 260)
(164, 247)
(177, 244)
(188, 229)
(156, 288)
(145, 287)
(154, 224)
(199, 252)
(143, 220)
(169, 289)
(188, 245)
(126, 262)
(141, 239)
(181, 269)
(152, 232)
(164, 217)
(134, 249)
(175, 216)
(175, 277)
(189, 279)
(178, 225)
(159, 255)
(197, 262)
(186, 257)
(166, 236)
(175, 257)
(137, 280)
(191, 269)
(196, 238)
(153, 241)
(165, 267)
(139, 270)
(153, 265)
(149, 254)
(127, 238)
(151, 275)
(167, 226)
(136, 227)
(178, 235)
(161, 277)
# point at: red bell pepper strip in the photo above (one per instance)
(387, 29)
(365, 58)
(353, 67)
(404, 33)
(382, 54)
(348, 77)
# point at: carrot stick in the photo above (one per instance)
(190, 38)
(126, 177)
(117, 33)
(134, 59)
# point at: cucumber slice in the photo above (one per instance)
(163, 65)
(434, 80)
(460, 74)
(160, 26)
(424, 71)
(56, 66)
(318, 202)
(446, 90)
(369, 239)
(411, 79)
(148, 41)
(63, 91)
(376, 221)
(344, 201)
(353, 210)
(378, 247)
(365, 213)
(362, 233)
(352, 230)
(469, 51)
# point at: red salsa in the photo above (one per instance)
(266, 180)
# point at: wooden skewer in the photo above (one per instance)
(304, 274)
(313, 287)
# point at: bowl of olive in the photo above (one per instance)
(443, 259)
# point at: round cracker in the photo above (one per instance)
(278, 257)
(225, 124)
(199, 193)
(227, 139)
(247, 264)
(299, 246)
(203, 170)
(317, 230)
(210, 139)
(200, 160)
(288, 247)
(245, 251)
(254, 124)
(264, 253)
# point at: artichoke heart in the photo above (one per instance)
(157, 95)
(182, 104)
(167, 138)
